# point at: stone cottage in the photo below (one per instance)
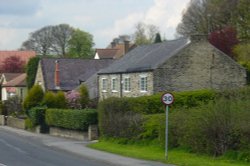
(65, 74)
(177, 65)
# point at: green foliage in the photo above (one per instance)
(247, 67)
(34, 97)
(116, 119)
(54, 100)
(2, 112)
(31, 70)
(71, 119)
(80, 44)
(37, 117)
(84, 96)
(28, 124)
(60, 100)
(13, 106)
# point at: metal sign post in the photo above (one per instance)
(167, 99)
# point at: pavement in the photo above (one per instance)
(80, 148)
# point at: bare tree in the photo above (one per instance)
(145, 33)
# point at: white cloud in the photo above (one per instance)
(166, 14)
(13, 38)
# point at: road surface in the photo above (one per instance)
(22, 148)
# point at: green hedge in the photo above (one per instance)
(37, 115)
(71, 119)
(153, 105)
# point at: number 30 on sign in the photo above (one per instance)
(167, 98)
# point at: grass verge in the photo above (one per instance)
(176, 156)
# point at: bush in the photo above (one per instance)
(2, 111)
(34, 97)
(37, 117)
(71, 119)
(84, 96)
(54, 100)
(73, 99)
(13, 106)
(116, 120)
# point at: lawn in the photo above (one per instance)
(176, 157)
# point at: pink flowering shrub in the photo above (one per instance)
(73, 99)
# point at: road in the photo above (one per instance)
(22, 148)
(19, 150)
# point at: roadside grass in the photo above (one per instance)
(175, 156)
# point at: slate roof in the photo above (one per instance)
(24, 55)
(107, 53)
(146, 57)
(18, 81)
(71, 71)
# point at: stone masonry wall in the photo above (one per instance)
(39, 76)
(134, 82)
(198, 66)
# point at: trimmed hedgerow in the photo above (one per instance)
(71, 119)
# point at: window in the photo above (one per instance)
(143, 84)
(114, 84)
(127, 87)
(104, 84)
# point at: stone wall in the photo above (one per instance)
(92, 133)
(199, 66)
(39, 76)
(15, 122)
(134, 83)
(2, 120)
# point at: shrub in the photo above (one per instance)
(54, 100)
(60, 100)
(49, 100)
(73, 99)
(37, 117)
(71, 119)
(116, 120)
(2, 111)
(34, 97)
(13, 106)
(84, 96)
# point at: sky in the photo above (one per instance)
(104, 19)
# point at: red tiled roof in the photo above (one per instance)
(19, 80)
(24, 55)
(107, 53)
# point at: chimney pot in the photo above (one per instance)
(57, 79)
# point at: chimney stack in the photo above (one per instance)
(57, 79)
(126, 46)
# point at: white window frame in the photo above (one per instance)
(114, 84)
(127, 84)
(104, 84)
(143, 83)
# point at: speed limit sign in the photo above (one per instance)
(167, 98)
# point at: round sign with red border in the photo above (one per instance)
(167, 98)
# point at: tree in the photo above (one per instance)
(84, 96)
(34, 97)
(205, 16)
(242, 52)
(225, 40)
(145, 33)
(158, 38)
(31, 70)
(80, 44)
(61, 35)
(55, 41)
(13, 64)
(40, 41)
(242, 20)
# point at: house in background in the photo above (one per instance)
(117, 49)
(65, 74)
(177, 65)
(13, 84)
(23, 55)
